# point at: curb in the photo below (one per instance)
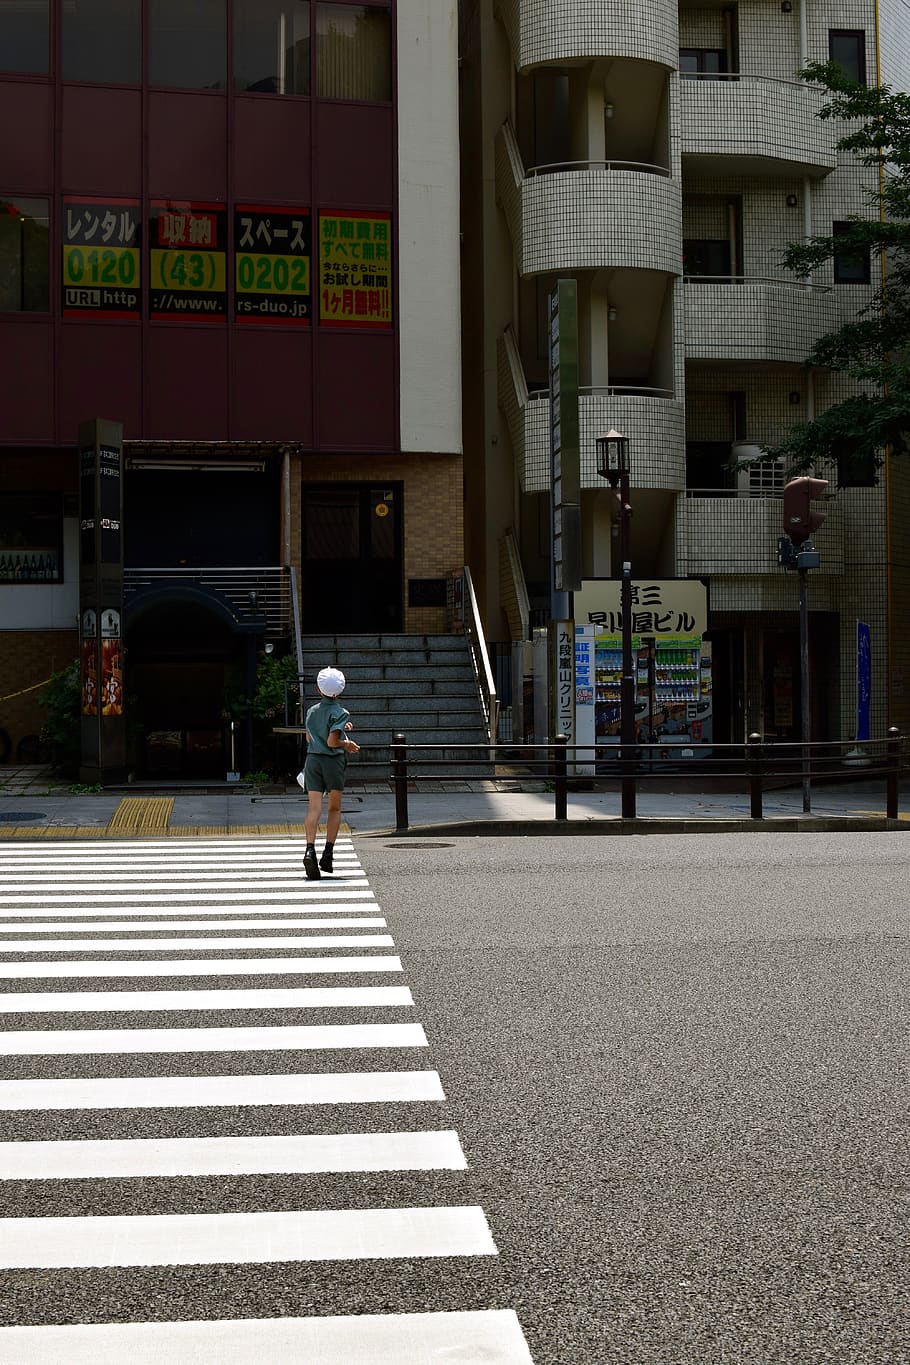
(788, 824)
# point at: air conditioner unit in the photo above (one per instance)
(753, 476)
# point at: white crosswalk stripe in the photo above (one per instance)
(117, 912)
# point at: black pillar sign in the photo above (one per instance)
(101, 599)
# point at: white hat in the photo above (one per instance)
(330, 681)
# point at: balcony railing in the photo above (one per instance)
(556, 167)
(265, 592)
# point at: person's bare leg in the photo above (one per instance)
(333, 818)
(313, 812)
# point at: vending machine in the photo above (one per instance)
(672, 690)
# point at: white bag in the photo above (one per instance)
(301, 780)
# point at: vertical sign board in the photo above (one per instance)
(187, 261)
(562, 671)
(272, 265)
(565, 469)
(863, 680)
(584, 700)
(103, 738)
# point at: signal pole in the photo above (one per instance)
(796, 551)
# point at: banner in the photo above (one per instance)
(272, 265)
(863, 680)
(355, 269)
(187, 260)
(102, 267)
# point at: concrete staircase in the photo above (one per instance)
(421, 685)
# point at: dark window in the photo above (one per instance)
(702, 61)
(851, 261)
(856, 471)
(707, 257)
(24, 30)
(187, 44)
(31, 538)
(353, 52)
(847, 47)
(272, 46)
(24, 256)
(101, 41)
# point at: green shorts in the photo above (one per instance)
(324, 772)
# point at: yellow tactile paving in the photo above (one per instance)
(142, 815)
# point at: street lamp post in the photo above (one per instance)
(613, 464)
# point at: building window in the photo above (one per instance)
(702, 61)
(187, 44)
(707, 257)
(847, 48)
(353, 52)
(101, 41)
(24, 35)
(31, 538)
(272, 46)
(851, 262)
(24, 256)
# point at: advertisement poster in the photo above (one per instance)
(187, 261)
(102, 268)
(89, 662)
(355, 270)
(272, 265)
(111, 677)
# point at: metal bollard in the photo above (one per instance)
(560, 776)
(754, 750)
(894, 758)
(399, 760)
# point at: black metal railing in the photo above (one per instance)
(758, 764)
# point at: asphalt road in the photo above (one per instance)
(679, 1071)
(674, 1127)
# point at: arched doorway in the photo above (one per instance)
(185, 656)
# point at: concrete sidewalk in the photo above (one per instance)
(34, 805)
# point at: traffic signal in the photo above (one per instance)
(800, 519)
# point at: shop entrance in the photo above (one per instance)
(352, 559)
(182, 662)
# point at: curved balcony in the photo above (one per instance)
(739, 318)
(653, 419)
(734, 534)
(625, 28)
(589, 215)
(770, 126)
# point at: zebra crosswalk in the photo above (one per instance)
(205, 1154)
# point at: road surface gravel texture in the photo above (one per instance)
(679, 1071)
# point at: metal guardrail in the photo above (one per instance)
(607, 391)
(757, 763)
(256, 591)
(796, 285)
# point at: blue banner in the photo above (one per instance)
(863, 679)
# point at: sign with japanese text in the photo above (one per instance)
(355, 269)
(585, 695)
(562, 640)
(187, 260)
(102, 267)
(671, 608)
(565, 467)
(272, 265)
(863, 680)
(102, 730)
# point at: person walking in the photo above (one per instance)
(328, 746)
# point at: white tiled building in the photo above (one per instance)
(664, 157)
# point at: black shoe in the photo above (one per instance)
(325, 862)
(310, 866)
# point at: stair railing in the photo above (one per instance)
(480, 658)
